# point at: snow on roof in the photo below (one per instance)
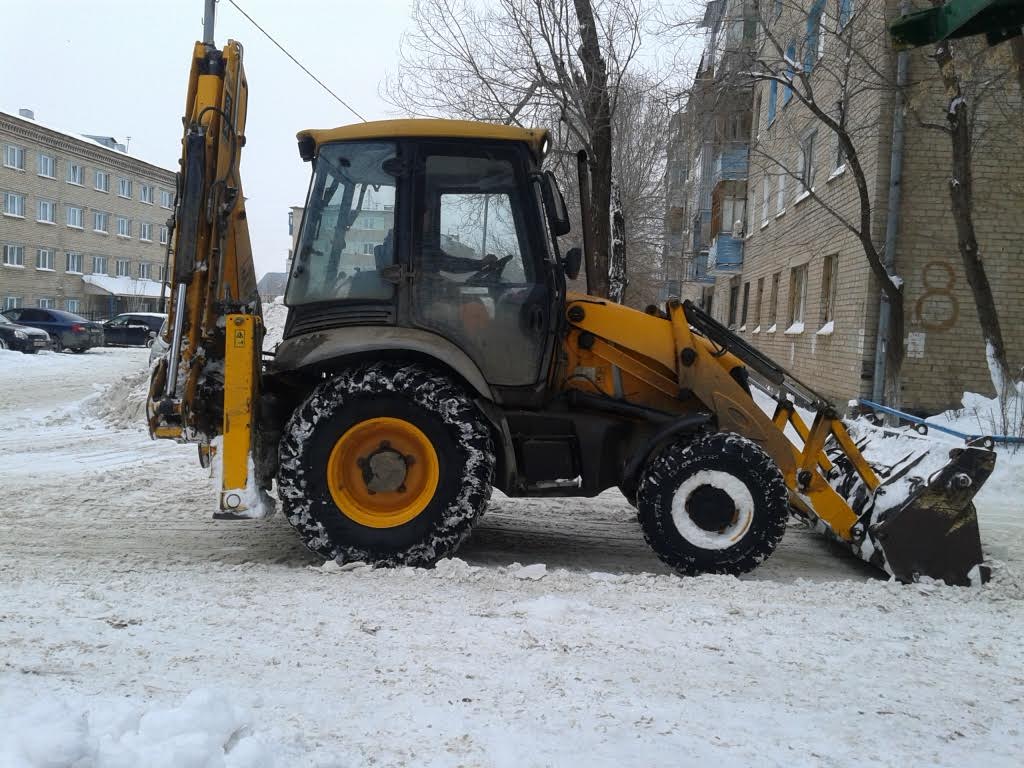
(81, 137)
(122, 286)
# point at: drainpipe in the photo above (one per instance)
(892, 221)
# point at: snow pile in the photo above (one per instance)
(274, 315)
(207, 730)
(122, 404)
(985, 415)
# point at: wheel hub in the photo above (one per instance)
(711, 508)
(385, 470)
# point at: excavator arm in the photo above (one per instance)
(204, 388)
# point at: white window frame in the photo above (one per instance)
(14, 157)
(76, 174)
(122, 268)
(53, 166)
(103, 176)
(164, 235)
(145, 270)
(49, 259)
(42, 204)
(14, 205)
(765, 198)
(146, 193)
(71, 305)
(162, 272)
(146, 232)
(13, 255)
(124, 227)
(70, 257)
(100, 260)
(780, 192)
(12, 302)
(829, 288)
(103, 228)
(45, 302)
(68, 209)
(797, 298)
(166, 199)
(807, 166)
(124, 188)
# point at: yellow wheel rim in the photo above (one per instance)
(382, 472)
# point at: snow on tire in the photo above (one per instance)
(718, 504)
(358, 514)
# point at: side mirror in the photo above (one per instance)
(572, 262)
(554, 204)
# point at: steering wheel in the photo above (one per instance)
(490, 272)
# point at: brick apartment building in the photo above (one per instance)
(83, 224)
(787, 274)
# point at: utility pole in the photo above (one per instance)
(208, 17)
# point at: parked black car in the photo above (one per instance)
(132, 329)
(22, 338)
(66, 330)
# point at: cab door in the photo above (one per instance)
(479, 271)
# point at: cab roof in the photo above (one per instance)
(536, 138)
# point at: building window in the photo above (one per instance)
(807, 161)
(814, 42)
(787, 90)
(44, 259)
(47, 166)
(76, 174)
(765, 193)
(101, 180)
(71, 305)
(46, 212)
(99, 265)
(780, 192)
(14, 157)
(146, 193)
(122, 268)
(746, 304)
(757, 304)
(73, 216)
(124, 188)
(734, 300)
(101, 222)
(773, 305)
(144, 271)
(797, 298)
(163, 235)
(829, 283)
(773, 97)
(46, 303)
(14, 255)
(845, 12)
(162, 273)
(733, 214)
(124, 226)
(165, 198)
(291, 222)
(14, 204)
(73, 262)
(146, 232)
(12, 302)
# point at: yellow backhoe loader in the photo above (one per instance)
(432, 352)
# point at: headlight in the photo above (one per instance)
(20, 335)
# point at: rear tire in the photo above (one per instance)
(717, 504)
(342, 424)
(3, 344)
(58, 345)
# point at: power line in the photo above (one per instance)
(285, 52)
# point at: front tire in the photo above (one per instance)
(389, 464)
(717, 504)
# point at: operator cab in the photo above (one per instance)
(433, 225)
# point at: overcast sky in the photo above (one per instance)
(120, 67)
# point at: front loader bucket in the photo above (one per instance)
(935, 531)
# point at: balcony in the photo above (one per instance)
(725, 255)
(730, 165)
(695, 268)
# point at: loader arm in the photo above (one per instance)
(207, 382)
(683, 361)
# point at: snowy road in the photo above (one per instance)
(119, 596)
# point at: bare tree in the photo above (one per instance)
(527, 62)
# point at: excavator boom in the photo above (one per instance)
(207, 382)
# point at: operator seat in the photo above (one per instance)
(368, 284)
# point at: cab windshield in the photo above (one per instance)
(347, 236)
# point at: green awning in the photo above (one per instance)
(998, 20)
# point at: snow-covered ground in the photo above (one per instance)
(136, 631)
